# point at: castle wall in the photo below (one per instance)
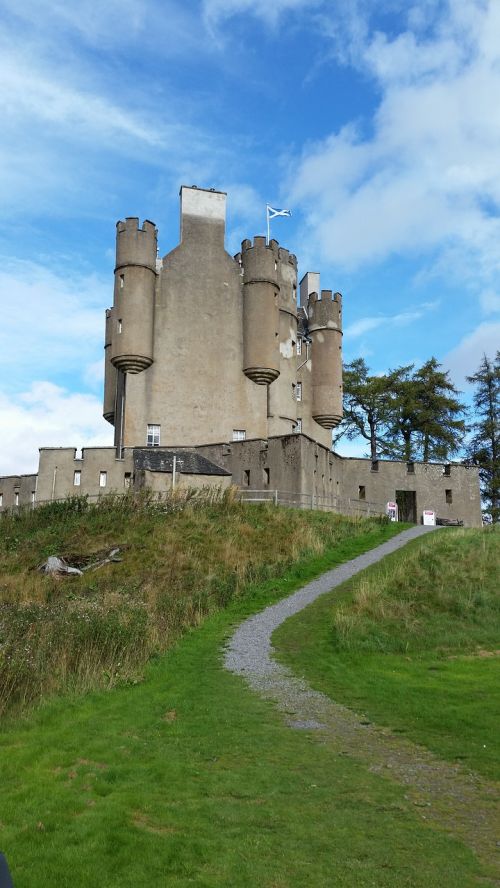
(429, 481)
(57, 467)
(17, 490)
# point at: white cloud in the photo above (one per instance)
(47, 415)
(216, 11)
(465, 358)
(50, 322)
(366, 325)
(422, 180)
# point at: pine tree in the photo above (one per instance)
(484, 448)
(439, 418)
(368, 406)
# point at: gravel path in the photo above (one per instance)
(444, 794)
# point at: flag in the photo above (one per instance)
(272, 212)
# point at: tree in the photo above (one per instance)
(439, 415)
(368, 405)
(484, 449)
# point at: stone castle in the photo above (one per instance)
(220, 370)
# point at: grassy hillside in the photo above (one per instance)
(190, 779)
(414, 643)
(183, 558)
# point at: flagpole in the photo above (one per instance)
(268, 234)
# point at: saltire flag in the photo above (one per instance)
(272, 212)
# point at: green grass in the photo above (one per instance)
(414, 643)
(190, 779)
(184, 558)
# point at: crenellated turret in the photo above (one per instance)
(325, 329)
(261, 353)
(110, 372)
(133, 309)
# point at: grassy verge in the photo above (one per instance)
(183, 559)
(189, 779)
(414, 644)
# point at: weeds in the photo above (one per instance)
(186, 555)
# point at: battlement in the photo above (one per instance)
(324, 310)
(131, 224)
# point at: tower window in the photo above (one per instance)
(153, 435)
(267, 476)
(298, 426)
(449, 496)
(119, 325)
(298, 391)
(77, 478)
(239, 434)
(122, 281)
(103, 479)
(16, 497)
(361, 492)
(1, 500)
(299, 346)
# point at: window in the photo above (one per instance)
(298, 427)
(246, 478)
(153, 435)
(122, 281)
(16, 497)
(33, 496)
(239, 434)
(449, 496)
(127, 480)
(361, 492)
(299, 346)
(410, 468)
(267, 476)
(447, 470)
(298, 391)
(103, 479)
(1, 500)
(119, 325)
(77, 478)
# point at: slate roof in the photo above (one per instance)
(156, 459)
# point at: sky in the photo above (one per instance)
(376, 122)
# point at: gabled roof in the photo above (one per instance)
(188, 462)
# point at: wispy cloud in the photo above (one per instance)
(50, 416)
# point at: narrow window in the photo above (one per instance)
(267, 476)
(246, 477)
(299, 346)
(239, 434)
(447, 470)
(77, 478)
(1, 500)
(16, 497)
(119, 325)
(410, 468)
(374, 465)
(122, 281)
(298, 391)
(449, 496)
(298, 427)
(103, 479)
(127, 479)
(153, 435)
(33, 496)
(361, 492)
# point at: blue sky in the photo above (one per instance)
(377, 122)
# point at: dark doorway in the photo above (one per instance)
(407, 505)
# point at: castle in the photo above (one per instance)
(219, 370)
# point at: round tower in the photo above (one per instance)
(325, 329)
(109, 371)
(133, 308)
(261, 355)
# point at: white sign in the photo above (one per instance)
(428, 517)
(391, 510)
